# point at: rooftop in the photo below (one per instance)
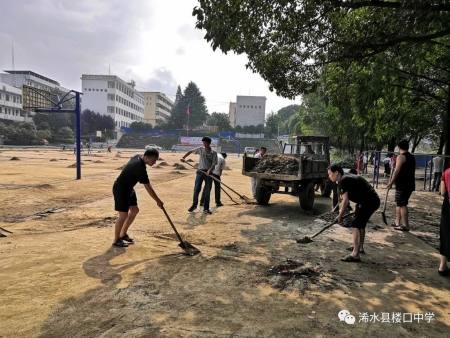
(29, 72)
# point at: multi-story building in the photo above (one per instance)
(37, 90)
(158, 108)
(250, 110)
(11, 103)
(112, 96)
(232, 114)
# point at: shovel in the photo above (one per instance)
(383, 213)
(308, 239)
(188, 248)
(242, 197)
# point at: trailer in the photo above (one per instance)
(308, 158)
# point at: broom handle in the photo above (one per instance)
(215, 179)
(385, 200)
(172, 225)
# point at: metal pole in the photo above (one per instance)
(78, 133)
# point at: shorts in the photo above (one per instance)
(402, 197)
(124, 199)
(364, 211)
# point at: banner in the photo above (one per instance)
(196, 141)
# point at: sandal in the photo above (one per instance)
(351, 259)
(401, 228)
(360, 251)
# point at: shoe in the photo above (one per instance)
(351, 259)
(119, 243)
(401, 228)
(207, 212)
(219, 205)
(444, 273)
(192, 208)
(127, 239)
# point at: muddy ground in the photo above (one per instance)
(60, 277)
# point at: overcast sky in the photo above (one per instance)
(153, 42)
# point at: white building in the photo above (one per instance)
(232, 114)
(110, 95)
(11, 103)
(250, 110)
(28, 81)
(157, 109)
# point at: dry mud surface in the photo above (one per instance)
(60, 277)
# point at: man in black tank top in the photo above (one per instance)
(405, 184)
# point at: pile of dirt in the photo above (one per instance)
(292, 274)
(44, 186)
(189, 160)
(120, 168)
(226, 168)
(14, 158)
(53, 160)
(118, 154)
(176, 172)
(163, 164)
(74, 165)
(179, 166)
(277, 164)
(99, 161)
(160, 159)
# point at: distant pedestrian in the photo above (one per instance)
(365, 162)
(89, 148)
(437, 172)
(387, 165)
(444, 231)
(405, 184)
(254, 181)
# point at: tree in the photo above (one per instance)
(92, 121)
(140, 126)
(64, 135)
(220, 120)
(191, 104)
(179, 95)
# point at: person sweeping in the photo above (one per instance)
(356, 189)
(125, 200)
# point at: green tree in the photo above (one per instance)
(220, 120)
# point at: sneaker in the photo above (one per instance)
(127, 239)
(207, 212)
(219, 205)
(119, 243)
(192, 208)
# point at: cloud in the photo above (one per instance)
(64, 39)
(180, 51)
(161, 80)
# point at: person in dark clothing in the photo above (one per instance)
(125, 197)
(216, 173)
(405, 184)
(356, 189)
(444, 231)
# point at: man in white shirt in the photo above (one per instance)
(437, 172)
(261, 153)
(216, 173)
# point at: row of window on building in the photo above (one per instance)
(122, 112)
(11, 97)
(112, 97)
(122, 124)
(249, 106)
(124, 89)
(11, 111)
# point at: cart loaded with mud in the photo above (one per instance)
(298, 171)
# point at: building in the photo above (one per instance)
(112, 96)
(36, 90)
(157, 108)
(11, 103)
(232, 114)
(250, 110)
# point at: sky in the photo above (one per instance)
(153, 42)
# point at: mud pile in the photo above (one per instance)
(277, 164)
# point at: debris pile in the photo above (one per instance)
(14, 158)
(277, 164)
(179, 166)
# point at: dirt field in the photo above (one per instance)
(60, 277)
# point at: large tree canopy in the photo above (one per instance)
(288, 42)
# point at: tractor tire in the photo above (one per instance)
(262, 195)
(306, 196)
(326, 188)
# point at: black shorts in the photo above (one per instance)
(124, 199)
(364, 211)
(402, 197)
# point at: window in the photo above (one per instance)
(111, 84)
(111, 97)
(7, 97)
(110, 109)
